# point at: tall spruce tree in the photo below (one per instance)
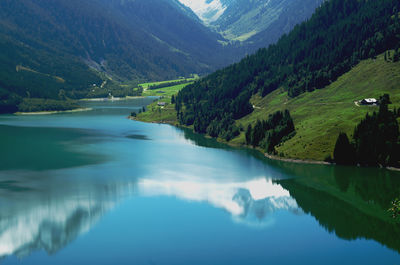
(248, 134)
(344, 153)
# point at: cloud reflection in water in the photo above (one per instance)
(244, 200)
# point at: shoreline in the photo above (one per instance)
(271, 157)
(110, 99)
(297, 161)
(53, 111)
(393, 168)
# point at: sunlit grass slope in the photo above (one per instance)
(320, 115)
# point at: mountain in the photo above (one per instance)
(244, 19)
(255, 23)
(277, 18)
(312, 56)
(53, 45)
(132, 33)
(207, 10)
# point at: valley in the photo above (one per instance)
(224, 132)
(68, 46)
(267, 92)
(255, 24)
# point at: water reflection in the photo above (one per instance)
(348, 201)
(58, 148)
(36, 214)
(48, 201)
(244, 200)
(138, 137)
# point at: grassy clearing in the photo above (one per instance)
(162, 114)
(320, 115)
(155, 113)
(165, 91)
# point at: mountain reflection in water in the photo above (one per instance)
(49, 214)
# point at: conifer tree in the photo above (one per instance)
(248, 134)
(344, 152)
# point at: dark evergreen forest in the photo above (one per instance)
(269, 133)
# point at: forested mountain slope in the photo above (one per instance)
(49, 45)
(313, 55)
(281, 20)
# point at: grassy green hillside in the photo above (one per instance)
(167, 91)
(320, 115)
(155, 113)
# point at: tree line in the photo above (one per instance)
(271, 132)
(375, 140)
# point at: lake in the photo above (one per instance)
(97, 188)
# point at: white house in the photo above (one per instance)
(369, 101)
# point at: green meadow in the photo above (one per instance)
(165, 91)
(167, 113)
(162, 114)
(319, 116)
(155, 113)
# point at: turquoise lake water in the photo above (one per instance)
(96, 188)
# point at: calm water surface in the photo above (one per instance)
(96, 188)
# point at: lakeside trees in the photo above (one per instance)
(344, 153)
(375, 140)
(269, 133)
(40, 104)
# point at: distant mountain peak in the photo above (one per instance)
(258, 22)
(207, 10)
